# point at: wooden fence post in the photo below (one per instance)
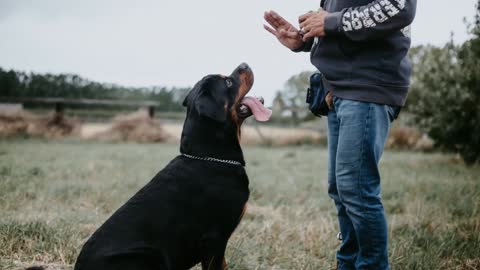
(151, 111)
(59, 107)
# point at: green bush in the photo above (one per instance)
(445, 94)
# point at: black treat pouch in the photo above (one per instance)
(316, 94)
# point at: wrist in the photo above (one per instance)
(333, 23)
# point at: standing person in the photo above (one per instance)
(361, 48)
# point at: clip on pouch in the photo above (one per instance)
(316, 94)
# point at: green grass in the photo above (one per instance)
(53, 195)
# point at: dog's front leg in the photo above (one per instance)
(213, 252)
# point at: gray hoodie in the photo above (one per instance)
(364, 53)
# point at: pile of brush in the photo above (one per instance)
(137, 127)
(22, 123)
(409, 138)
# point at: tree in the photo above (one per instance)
(19, 84)
(9, 82)
(445, 94)
(292, 97)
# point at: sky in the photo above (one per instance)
(176, 42)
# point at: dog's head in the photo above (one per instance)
(222, 99)
(216, 108)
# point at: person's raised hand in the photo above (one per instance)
(313, 24)
(284, 31)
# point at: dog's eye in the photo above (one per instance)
(229, 83)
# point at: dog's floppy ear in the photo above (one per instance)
(186, 101)
(197, 88)
(211, 101)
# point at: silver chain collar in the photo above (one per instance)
(232, 162)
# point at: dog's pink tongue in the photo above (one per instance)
(260, 112)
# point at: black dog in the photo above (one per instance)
(187, 212)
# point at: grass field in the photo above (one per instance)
(53, 195)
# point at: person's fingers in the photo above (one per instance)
(302, 18)
(307, 29)
(305, 17)
(319, 32)
(269, 18)
(305, 24)
(308, 36)
(289, 34)
(277, 16)
(293, 34)
(292, 29)
(271, 30)
(279, 20)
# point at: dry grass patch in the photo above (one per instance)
(22, 123)
(408, 138)
(137, 127)
(53, 202)
(278, 136)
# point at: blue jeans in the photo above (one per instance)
(356, 136)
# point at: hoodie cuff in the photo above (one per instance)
(300, 49)
(333, 23)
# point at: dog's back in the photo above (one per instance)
(187, 209)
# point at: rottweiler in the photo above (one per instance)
(185, 215)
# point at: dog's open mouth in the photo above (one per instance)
(254, 106)
(249, 106)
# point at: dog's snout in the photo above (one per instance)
(245, 74)
(244, 66)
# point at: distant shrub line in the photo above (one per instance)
(20, 84)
